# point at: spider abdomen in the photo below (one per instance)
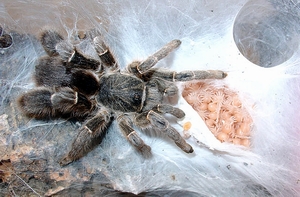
(121, 92)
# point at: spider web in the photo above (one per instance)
(255, 41)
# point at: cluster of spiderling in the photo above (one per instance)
(222, 111)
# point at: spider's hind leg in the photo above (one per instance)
(90, 134)
(45, 103)
(49, 39)
(37, 103)
(51, 72)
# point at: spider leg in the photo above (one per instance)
(81, 56)
(105, 53)
(144, 69)
(64, 99)
(165, 108)
(37, 103)
(139, 68)
(86, 55)
(165, 87)
(159, 122)
(189, 75)
(51, 71)
(67, 101)
(49, 39)
(133, 137)
(44, 103)
(90, 135)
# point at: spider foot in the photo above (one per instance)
(185, 147)
(65, 161)
(133, 137)
(139, 144)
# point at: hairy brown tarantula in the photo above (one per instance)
(81, 79)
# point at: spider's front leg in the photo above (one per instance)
(139, 68)
(188, 75)
(144, 69)
(90, 134)
(157, 121)
(133, 137)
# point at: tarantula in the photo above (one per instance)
(81, 79)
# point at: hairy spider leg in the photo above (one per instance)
(165, 87)
(82, 55)
(44, 103)
(64, 99)
(49, 39)
(133, 137)
(160, 54)
(37, 103)
(77, 57)
(189, 75)
(165, 108)
(105, 53)
(139, 68)
(90, 135)
(158, 121)
(51, 72)
(143, 69)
